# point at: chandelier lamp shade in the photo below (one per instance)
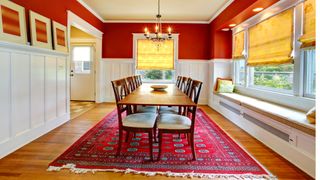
(158, 36)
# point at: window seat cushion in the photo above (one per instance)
(291, 117)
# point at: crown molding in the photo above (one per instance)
(91, 10)
(220, 10)
(152, 21)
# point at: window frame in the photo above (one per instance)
(305, 67)
(175, 37)
(82, 62)
(297, 98)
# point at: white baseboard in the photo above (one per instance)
(14, 143)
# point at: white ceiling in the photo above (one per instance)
(145, 10)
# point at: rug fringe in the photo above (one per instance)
(73, 169)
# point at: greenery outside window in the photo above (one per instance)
(277, 78)
(156, 75)
(309, 73)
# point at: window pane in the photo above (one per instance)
(156, 75)
(310, 73)
(81, 54)
(82, 67)
(240, 72)
(278, 78)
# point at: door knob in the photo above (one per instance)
(71, 75)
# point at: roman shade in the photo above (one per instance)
(153, 57)
(238, 46)
(270, 42)
(309, 22)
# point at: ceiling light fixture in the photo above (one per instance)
(225, 29)
(257, 9)
(158, 36)
(232, 25)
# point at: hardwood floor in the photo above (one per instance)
(31, 161)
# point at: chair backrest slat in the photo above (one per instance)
(178, 82)
(120, 90)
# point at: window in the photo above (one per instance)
(156, 75)
(240, 72)
(309, 73)
(81, 57)
(274, 78)
(155, 61)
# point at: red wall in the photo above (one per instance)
(57, 10)
(193, 39)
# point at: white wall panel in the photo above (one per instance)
(115, 69)
(28, 94)
(61, 87)
(20, 93)
(37, 90)
(5, 102)
(51, 88)
(198, 70)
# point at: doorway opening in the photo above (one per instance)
(82, 72)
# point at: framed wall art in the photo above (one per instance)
(60, 41)
(40, 31)
(12, 22)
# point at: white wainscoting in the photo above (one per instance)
(218, 68)
(33, 94)
(199, 70)
(119, 68)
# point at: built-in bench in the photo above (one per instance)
(285, 130)
(291, 117)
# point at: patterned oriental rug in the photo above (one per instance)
(218, 156)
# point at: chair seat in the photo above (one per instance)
(146, 109)
(173, 121)
(169, 110)
(140, 120)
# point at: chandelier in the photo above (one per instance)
(158, 37)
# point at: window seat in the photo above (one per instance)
(290, 117)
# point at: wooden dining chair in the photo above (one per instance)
(139, 80)
(178, 124)
(178, 110)
(139, 122)
(131, 84)
(183, 83)
(136, 81)
(178, 81)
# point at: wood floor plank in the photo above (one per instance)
(31, 161)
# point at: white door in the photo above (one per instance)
(82, 73)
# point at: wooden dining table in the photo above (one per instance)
(145, 95)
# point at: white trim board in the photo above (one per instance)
(151, 21)
(76, 21)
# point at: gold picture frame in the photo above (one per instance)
(12, 22)
(40, 28)
(60, 38)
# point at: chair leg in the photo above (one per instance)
(192, 146)
(155, 133)
(119, 142)
(150, 145)
(188, 137)
(160, 144)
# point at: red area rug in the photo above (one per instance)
(218, 156)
